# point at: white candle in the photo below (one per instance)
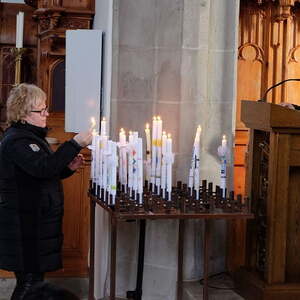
(97, 156)
(130, 162)
(164, 164)
(104, 140)
(113, 165)
(93, 153)
(103, 127)
(153, 159)
(169, 165)
(158, 154)
(148, 153)
(19, 30)
(224, 141)
(140, 169)
(197, 162)
(135, 163)
(222, 151)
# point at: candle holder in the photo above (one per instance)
(206, 200)
(18, 54)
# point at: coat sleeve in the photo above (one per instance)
(66, 172)
(37, 162)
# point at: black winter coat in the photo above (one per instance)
(31, 199)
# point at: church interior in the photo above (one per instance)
(192, 62)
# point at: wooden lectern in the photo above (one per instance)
(272, 267)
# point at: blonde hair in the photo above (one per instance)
(21, 101)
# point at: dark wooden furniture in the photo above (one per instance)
(272, 268)
(117, 216)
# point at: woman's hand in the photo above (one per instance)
(76, 162)
(84, 138)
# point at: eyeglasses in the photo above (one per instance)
(42, 111)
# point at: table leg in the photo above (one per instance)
(113, 256)
(92, 248)
(207, 237)
(180, 259)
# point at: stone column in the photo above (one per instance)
(176, 59)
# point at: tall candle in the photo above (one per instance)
(19, 30)
(113, 165)
(130, 162)
(197, 162)
(93, 161)
(164, 164)
(169, 165)
(140, 169)
(148, 153)
(154, 154)
(158, 154)
(103, 127)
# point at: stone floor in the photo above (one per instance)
(220, 288)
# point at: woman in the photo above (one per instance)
(31, 195)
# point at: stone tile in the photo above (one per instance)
(168, 23)
(196, 23)
(130, 115)
(194, 76)
(167, 75)
(224, 16)
(137, 23)
(135, 74)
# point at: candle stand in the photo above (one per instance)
(209, 205)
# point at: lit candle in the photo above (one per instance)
(130, 162)
(153, 159)
(164, 164)
(224, 141)
(148, 153)
(222, 152)
(103, 127)
(93, 161)
(158, 154)
(19, 30)
(140, 169)
(169, 165)
(197, 162)
(135, 163)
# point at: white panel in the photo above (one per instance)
(83, 79)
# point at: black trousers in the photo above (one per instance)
(24, 282)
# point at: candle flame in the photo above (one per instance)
(147, 125)
(224, 137)
(199, 128)
(103, 119)
(130, 132)
(122, 130)
(164, 133)
(154, 118)
(158, 118)
(93, 121)
(169, 135)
